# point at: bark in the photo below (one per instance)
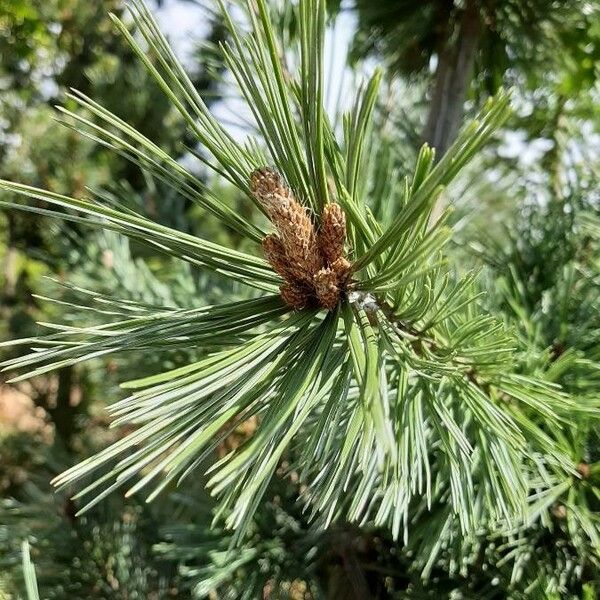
(552, 160)
(64, 415)
(10, 265)
(451, 84)
(346, 577)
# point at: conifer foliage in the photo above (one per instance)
(367, 361)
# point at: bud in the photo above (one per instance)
(332, 234)
(584, 470)
(295, 227)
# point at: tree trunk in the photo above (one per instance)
(64, 414)
(451, 84)
(10, 264)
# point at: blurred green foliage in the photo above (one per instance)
(45, 48)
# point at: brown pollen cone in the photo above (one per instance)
(275, 253)
(292, 221)
(331, 280)
(326, 288)
(295, 295)
(342, 268)
(312, 265)
(332, 234)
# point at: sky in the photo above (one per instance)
(185, 22)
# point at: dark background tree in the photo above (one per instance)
(469, 49)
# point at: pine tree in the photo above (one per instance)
(353, 354)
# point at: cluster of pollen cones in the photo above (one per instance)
(311, 262)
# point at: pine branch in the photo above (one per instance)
(375, 368)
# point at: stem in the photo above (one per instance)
(553, 157)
